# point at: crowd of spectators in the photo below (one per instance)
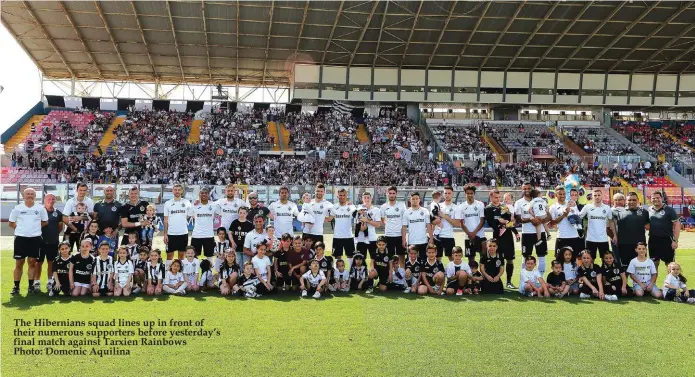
(653, 141)
(235, 131)
(597, 141)
(155, 131)
(521, 139)
(327, 131)
(465, 140)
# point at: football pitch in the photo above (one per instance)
(389, 334)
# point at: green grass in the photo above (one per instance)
(382, 334)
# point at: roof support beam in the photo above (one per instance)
(295, 56)
(113, 41)
(667, 45)
(238, 9)
(144, 41)
(499, 37)
(267, 42)
(470, 36)
(330, 36)
(79, 35)
(686, 52)
(557, 40)
(381, 30)
(533, 34)
(410, 36)
(45, 33)
(205, 30)
(176, 44)
(441, 34)
(653, 33)
(364, 30)
(622, 34)
(586, 40)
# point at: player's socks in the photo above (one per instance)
(541, 265)
(31, 283)
(349, 265)
(167, 264)
(510, 272)
(16, 284)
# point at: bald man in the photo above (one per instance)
(27, 219)
(50, 238)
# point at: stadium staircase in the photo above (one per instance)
(109, 135)
(502, 154)
(362, 135)
(573, 147)
(273, 132)
(284, 134)
(22, 133)
(194, 134)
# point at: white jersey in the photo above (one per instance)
(564, 228)
(314, 280)
(540, 207)
(643, 270)
(452, 268)
(528, 276)
(673, 281)
(230, 210)
(319, 211)
(521, 209)
(173, 279)
(252, 240)
(393, 215)
(123, 271)
(598, 220)
(28, 219)
(341, 276)
(416, 220)
(451, 210)
(176, 212)
(190, 267)
(436, 228)
(471, 213)
(398, 276)
(570, 270)
(284, 215)
(71, 205)
(343, 220)
(204, 216)
(261, 264)
(373, 214)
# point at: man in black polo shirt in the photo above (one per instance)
(50, 238)
(664, 230)
(630, 223)
(255, 208)
(131, 214)
(107, 211)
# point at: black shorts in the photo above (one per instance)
(491, 287)
(421, 251)
(530, 240)
(177, 243)
(601, 247)
(453, 284)
(48, 252)
(471, 247)
(660, 249)
(444, 246)
(626, 253)
(394, 246)
(27, 247)
(505, 246)
(313, 237)
(577, 245)
(370, 247)
(346, 245)
(207, 245)
(104, 291)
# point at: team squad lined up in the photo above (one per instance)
(251, 256)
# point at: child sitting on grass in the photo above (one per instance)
(589, 277)
(556, 281)
(530, 282)
(174, 282)
(674, 286)
(313, 282)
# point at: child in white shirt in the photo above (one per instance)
(530, 282)
(674, 286)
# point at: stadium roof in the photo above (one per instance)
(258, 42)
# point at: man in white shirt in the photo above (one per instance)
(472, 216)
(319, 208)
(417, 225)
(254, 237)
(369, 218)
(392, 218)
(283, 212)
(80, 197)
(229, 206)
(203, 235)
(447, 215)
(598, 215)
(176, 213)
(529, 239)
(565, 215)
(27, 219)
(343, 236)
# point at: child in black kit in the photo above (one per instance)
(556, 281)
(474, 282)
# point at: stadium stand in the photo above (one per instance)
(597, 140)
(522, 138)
